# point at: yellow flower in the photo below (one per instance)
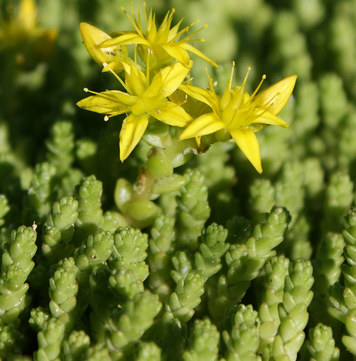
(240, 114)
(161, 44)
(22, 28)
(143, 99)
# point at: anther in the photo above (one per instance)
(106, 118)
(86, 90)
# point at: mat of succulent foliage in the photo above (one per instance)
(211, 216)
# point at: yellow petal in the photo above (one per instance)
(27, 14)
(135, 80)
(203, 125)
(132, 130)
(198, 53)
(167, 81)
(177, 52)
(145, 105)
(126, 39)
(110, 102)
(247, 142)
(174, 31)
(276, 96)
(203, 95)
(93, 37)
(151, 30)
(172, 114)
(271, 119)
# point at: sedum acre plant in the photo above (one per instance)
(156, 235)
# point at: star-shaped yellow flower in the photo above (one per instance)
(143, 99)
(240, 114)
(161, 44)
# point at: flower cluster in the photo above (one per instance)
(155, 89)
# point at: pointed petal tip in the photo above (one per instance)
(256, 163)
(86, 29)
(292, 79)
(123, 154)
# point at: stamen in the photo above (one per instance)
(179, 34)
(185, 30)
(139, 18)
(139, 31)
(246, 76)
(190, 41)
(106, 96)
(186, 39)
(257, 89)
(242, 90)
(133, 12)
(106, 118)
(181, 103)
(116, 76)
(231, 75)
(211, 85)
